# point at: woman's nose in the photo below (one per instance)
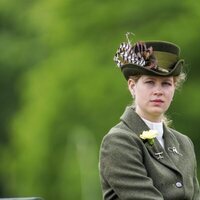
(158, 90)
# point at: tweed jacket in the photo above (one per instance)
(132, 169)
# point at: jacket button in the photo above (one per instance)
(179, 184)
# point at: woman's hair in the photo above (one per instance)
(178, 80)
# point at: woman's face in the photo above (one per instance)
(153, 95)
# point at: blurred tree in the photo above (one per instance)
(61, 91)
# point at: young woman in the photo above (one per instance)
(141, 158)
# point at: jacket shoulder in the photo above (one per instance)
(122, 132)
(182, 138)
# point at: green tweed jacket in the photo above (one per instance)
(132, 169)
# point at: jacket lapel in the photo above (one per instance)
(172, 146)
(165, 156)
(161, 155)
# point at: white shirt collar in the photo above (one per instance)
(156, 126)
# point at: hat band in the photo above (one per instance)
(165, 60)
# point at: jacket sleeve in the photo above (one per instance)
(196, 188)
(195, 180)
(122, 170)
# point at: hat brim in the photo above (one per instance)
(132, 70)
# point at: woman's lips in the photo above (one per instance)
(157, 101)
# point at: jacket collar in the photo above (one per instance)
(166, 156)
(133, 120)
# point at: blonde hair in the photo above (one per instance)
(179, 80)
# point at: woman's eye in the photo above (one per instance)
(149, 82)
(167, 83)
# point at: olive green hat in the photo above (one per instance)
(156, 58)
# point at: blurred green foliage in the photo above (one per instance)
(61, 92)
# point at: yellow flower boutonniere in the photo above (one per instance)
(149, 135)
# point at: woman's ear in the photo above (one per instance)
(131, 86)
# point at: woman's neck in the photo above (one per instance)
(150, 117)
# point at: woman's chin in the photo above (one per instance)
(157, 111)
